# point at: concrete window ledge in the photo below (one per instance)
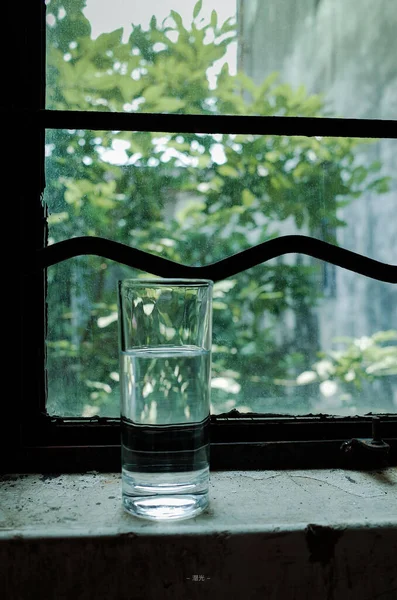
(320, 534)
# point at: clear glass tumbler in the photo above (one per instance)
(165, 334)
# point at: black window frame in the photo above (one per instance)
(31, 439)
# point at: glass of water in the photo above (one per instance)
(165, 334)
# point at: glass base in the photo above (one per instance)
(166, 507)
(165, 496)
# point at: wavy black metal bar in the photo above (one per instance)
(162, 267)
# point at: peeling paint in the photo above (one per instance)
(128, 535)
(222, 536)
(50, 476)
(350, 479)
(321, 541)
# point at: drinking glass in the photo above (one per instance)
(165, 335)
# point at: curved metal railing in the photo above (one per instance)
(227, 267)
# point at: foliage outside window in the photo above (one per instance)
(195, 198)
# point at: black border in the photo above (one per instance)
(30, 439)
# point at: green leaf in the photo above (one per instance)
(312, 106)
(130, 88)
(72, 96)
(271, 295)
(102, 203)
(104, 82)
(169, 104)
(153, 92)
(228, 25)
(387, 366)
(272, 156)
(247, 83)
(55, 218)
(178, 19)
(214, 19)
(300, 94)
(228, 171)
(381, 185)
(299, 220)
(197, 8)
(218, 305)
(107, 41)
(385, 336)
(203, 161)
(302, 169)
(267, 84)
(375, 166)
(248, 198)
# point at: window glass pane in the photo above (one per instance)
(279, 344)
(273, 57)
(196, 199)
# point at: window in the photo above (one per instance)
(153, 137)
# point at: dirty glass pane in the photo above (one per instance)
(196, 199)
(274, 350)
(270, 57)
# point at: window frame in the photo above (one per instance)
(36, 441)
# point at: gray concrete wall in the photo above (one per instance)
(347, 51)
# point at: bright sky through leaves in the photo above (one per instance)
(108, 15)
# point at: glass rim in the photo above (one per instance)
(165, 282)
